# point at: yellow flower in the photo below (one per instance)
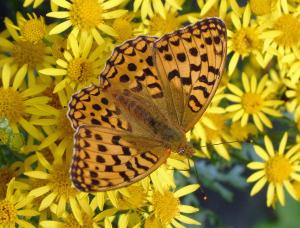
(253, 102)
(25, 46)
(278, 169)
(293, 94)
(7, 173)
(32, 29)
(14, 208)
(81, 65)
(287, 24)
(296, 186)
(37, 3)
(167, 208)
(88, 17)
(125, 27)
(90, 218)
(159, 25)
(246, 38)
(221, 5)
(58, 187)
(150, 7)
(263, 7)
(17, 102)
(240, 133)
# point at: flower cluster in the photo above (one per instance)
(44, 59)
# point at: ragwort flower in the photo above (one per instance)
(253, 102)
(167, 208)
(87, 16)
(14, 208)
(278, 169)
(81, 65)
(17, 102)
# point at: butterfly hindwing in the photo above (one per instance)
(189, 62)
(105, 158)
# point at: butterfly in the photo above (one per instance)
(150, 93)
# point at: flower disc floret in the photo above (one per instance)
(166, 206)
(245, 41)
(33, 30)
(80, 70)
(278, 169)
(8, 213)
(289, 26)
(25, 52)
(86, 14)
(11, 104)
(252, 102)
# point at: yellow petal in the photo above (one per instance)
(256, 176)
(114, 14)
(60, 14)
(187, 209)
(282, 144)
(269, 146)
(62, 3)
(233, 63)
(107, 29)
(256, 165)
(51, 224)
(236, 90)
(246, 83)
(23, 223)
(207, 6)
(111, 3)
(61, 206)
(291, 190)
(261, 152)
(257, 122)
(38, 174)
(28, 212)
(270, 194)
(47, 201)
(20, 75)
(76, 210)
(258, 186)
(98, 38)
(30, 129)
(6, 74)
(39, 191)
(280, 193)
(53, 72)
(186, 190)
(187, 220)
(61, 27)
(74, 46)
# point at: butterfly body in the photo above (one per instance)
(147, 115)
(151, 92)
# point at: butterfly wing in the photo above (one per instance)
(131, 67)
(111, 150)
(190, 62)
(106, 158)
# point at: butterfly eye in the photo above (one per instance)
(181, 151)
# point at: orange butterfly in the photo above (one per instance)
(151, 92)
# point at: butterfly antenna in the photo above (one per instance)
(248, 141)
(202, 192)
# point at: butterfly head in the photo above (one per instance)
(186, 149)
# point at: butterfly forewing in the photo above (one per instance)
(189, 64)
